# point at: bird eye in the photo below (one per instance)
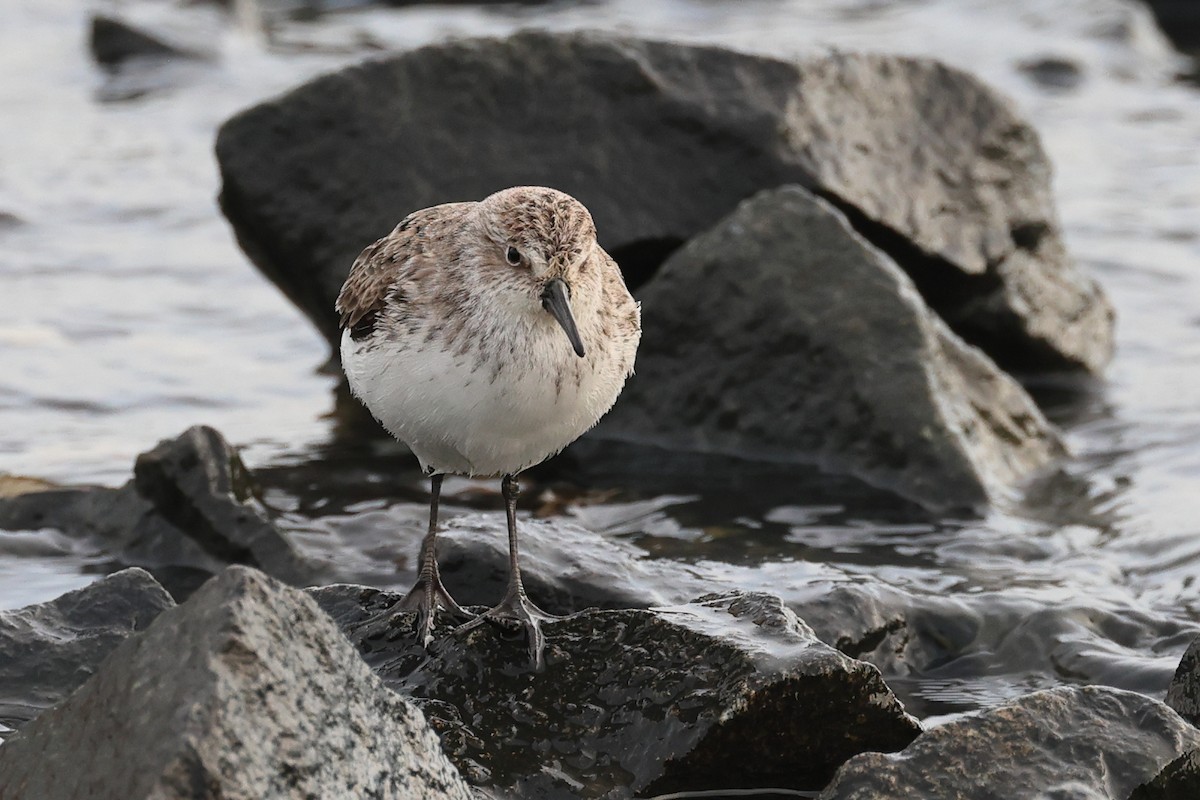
(513, 256)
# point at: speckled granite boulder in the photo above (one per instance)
(247, 691)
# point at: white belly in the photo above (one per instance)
(461, 418)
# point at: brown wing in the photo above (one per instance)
(383, 266)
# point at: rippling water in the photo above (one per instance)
(127, 313)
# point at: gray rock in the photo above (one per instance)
(1183, 694)
(1179, 780)
(781, 333)
(48, 650)
(189, 511)
(728, 691)
(661, 140)
(245, 691)
(1071, 742)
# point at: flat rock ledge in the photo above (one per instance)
(190, 510)
(727, 691)
(246, 691)
(660, 140)
(48, 650)
(1084, 743)
(782, 333)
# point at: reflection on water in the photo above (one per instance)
(128, 313)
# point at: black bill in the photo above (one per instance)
(556, 299)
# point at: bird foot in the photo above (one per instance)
(515, 612)
(426, 597)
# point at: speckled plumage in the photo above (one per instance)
(451, 349)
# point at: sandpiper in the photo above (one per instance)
(487, 336)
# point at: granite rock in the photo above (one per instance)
(245, 691)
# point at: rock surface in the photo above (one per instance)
(1077, 742)
(1183, 694)
(782, 333)
(728, 691)
(245, 691)
(1179, 780)
(48, 650)
(660, 141)
(189, 511)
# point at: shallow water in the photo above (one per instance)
(127, 313)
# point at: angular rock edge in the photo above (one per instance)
(191, 507)
(47, 650)
(782, 333)
(245, 691)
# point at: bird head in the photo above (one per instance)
(545, 242)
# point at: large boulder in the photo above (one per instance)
(728, 691)
(48, 650)
(1090, 743)
(660, 140)
(244, 692)
(782, 333)
(190, 510)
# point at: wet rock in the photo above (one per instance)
(781, 333)
(245, 691)
(1183, 694)
(1078, 742)
(1179, 780)
(727, 691)
(189, 510)
(661, 140)
(48, 650)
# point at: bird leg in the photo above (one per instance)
(516, 610)
(428, 594)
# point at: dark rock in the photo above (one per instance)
(1183, 694)
(115, 42)
(782, 333)
(1179, 780)
(1077, 742)
(660, 141)
(48, 650)
(245, 691)
(190, 509)
(728, 691)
